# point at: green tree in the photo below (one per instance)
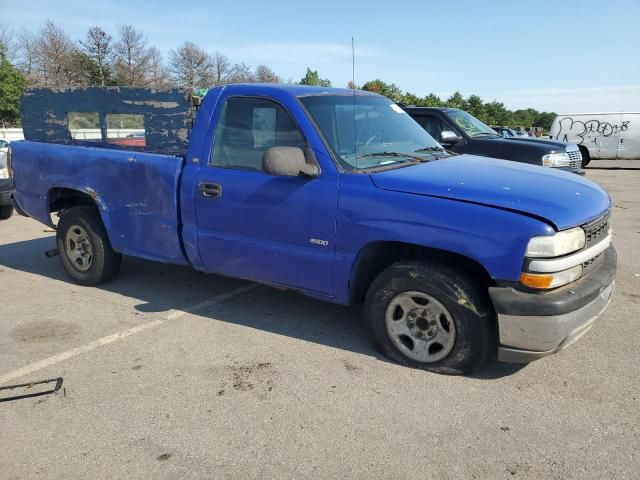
(312, 78)
(431, 100)
(524, 118)
(456, 101)
(83, 70)
(12, 84)
(544, 120)
(475, 106)
(389, 90)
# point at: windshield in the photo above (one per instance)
(379, 133)
(470, 124)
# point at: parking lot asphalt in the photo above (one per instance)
(169, 373)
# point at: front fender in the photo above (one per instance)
(494, 238)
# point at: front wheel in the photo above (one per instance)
(427, 315)
(5, 212)
(84, 248)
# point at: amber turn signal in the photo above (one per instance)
(551, 280)
(536, 281)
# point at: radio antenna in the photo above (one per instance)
(353, 87)
(353, 64)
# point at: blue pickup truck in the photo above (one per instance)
(335, 193)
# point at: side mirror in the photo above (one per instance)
(447, 137)
(288, 162)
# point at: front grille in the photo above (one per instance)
(595, 230)
(591, 263)
(575, 160)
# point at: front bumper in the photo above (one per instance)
(534, 325)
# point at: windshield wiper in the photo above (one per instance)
(408, 156)
(480, 134)
(430, 149)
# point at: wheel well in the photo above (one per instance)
(61, 199)
(586, 157)
(377, 256)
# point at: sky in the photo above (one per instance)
(562, 56)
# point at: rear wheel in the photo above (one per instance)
(5, 212)
(427, 315)
(84, 247)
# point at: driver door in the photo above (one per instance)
(253, 225)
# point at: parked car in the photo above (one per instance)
(4, 145)
(605, 135)
(337, 194)
(6, 208)
(461, 132)
(505, 132)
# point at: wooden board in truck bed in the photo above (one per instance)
(150, 120)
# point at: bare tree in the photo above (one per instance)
(7, 42)
(241, 73)
(190, 67)
(157, 75)
(222, 68)
(264, 74)
(98, 47)
(53, 53)
(27, 54)
(134, 60)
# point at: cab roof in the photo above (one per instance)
(297, 90)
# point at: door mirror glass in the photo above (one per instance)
(447, 137)
(288, 162)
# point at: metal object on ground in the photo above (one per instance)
(58, 383)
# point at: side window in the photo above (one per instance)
(125, 129)
(432, 125)
(84, 126)
(247, 128)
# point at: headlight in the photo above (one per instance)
(4, 173)
(551, 280)
(556, 245)
(556, 160)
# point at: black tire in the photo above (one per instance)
(6, 211)
(467, 302)
(105, 262)
(586, 156)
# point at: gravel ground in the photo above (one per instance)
(169, 373)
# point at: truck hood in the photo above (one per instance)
(554, 144)
(561, 198)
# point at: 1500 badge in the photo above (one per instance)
(317, 241)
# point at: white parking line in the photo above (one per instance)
(174, 314)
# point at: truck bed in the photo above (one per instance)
(136, 192)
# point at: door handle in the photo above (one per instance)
(210, 190)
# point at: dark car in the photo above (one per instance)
(6, 209)
(505, 132)
(461, 132)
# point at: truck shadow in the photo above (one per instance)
(163, 288)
